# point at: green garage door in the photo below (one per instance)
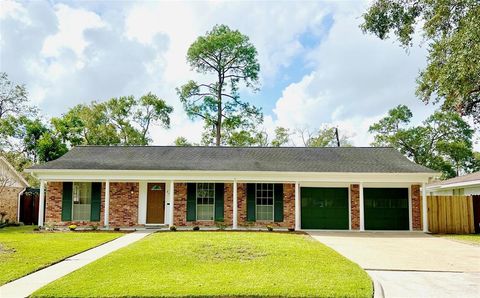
(386, 208)
(324, 208)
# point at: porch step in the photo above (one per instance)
(156, 226)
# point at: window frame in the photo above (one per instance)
(273, 203)
(196, 200)
(73, 201)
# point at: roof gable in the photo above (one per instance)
(9, 176)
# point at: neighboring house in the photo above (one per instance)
(463, 185)
(12, 185)
(300, 188)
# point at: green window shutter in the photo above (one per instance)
(251, 202)
(278, 202)
(96, 201)
(67, 201)
(191, 201)
(219, 191)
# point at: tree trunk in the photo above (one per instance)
(219, 121)
(218, 136)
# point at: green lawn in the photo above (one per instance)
(23, 251)
(469, 238)
(217, 264)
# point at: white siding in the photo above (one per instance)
(468, 190)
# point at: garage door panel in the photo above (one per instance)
(386, 208)
(324, 208)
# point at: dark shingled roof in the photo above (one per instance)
(282, 159)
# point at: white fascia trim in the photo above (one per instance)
(227, 176)
(453, 185)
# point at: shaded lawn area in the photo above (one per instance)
(23, 251)
(218, 264)
(469, 238)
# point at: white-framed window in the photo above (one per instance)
(264, 193)
(205, 201)
(81, 201)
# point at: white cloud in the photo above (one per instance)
(74, 53)
(356, 79)
(72, 23)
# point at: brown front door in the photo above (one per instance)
(156, 203)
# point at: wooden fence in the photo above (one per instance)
(451, 214)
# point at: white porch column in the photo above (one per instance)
(172, 192)
(106, 216)
(235, 206)
(362, 209)
(41, 205)
(297, 207)
(424, 208)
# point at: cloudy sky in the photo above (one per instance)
(317, 67)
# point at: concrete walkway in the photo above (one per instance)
(26, 285)
(410, 264)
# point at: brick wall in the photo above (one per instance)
(180, 204)
(416, 208)
(53, 203)
(228, 204)
(242, 204)
(355, 206)
(9, 202)
(123, 205)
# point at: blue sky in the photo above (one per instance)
(317, 67)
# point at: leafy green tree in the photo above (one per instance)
(323, 137)
(282, 137)
(123, 120)
(442, 142)
(86, 125)
(229, 59)
(13, 99)
(182, 142)
(452, 31)
(33, 139)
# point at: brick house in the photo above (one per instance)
(12, 185)
(302, 188)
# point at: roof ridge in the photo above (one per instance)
(233, 147)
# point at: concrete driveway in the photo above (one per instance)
(411, 264)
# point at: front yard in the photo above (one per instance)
(217, 264)
(469, 238)
(23, 251)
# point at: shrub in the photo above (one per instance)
(49, 226)
(221, 225)
(196, 228)
(72, 227)
(173, 228)
(291, 229)
(94, 227)
(116, 229)
(269, 228)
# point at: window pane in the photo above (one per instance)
(264, 201)
(82, 199)
(205, 201)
